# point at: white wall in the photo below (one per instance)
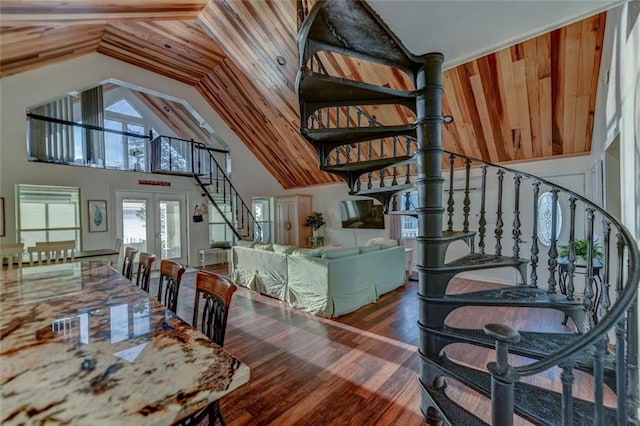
(570, 172)
(326, 199)
(618, 106)
(20, 91)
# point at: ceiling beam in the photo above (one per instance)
(46, 12)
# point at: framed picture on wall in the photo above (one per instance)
(2, 220)
(97, 216)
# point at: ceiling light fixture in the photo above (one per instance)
(280, 60)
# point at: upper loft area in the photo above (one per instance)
(114, 125)
(247, 74)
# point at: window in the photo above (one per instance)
(545, 205)
(409, 224)
(48, 213)
(262, 214)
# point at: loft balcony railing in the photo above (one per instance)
(53, 140)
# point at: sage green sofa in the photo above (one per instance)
(326, 283)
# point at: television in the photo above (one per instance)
(361, 214)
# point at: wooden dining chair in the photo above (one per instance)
(170, 273)
(52, 252)
(145, 260)
(12, 253)
(214, 291)
(127, 263)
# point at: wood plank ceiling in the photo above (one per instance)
(533, 100)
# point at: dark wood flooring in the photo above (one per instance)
(360, 368)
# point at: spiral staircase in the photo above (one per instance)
(389, 161)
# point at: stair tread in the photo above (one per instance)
(390, 188)
(455, 414)
(348, 135)
(532, 344)
(531, 402)
(336, 91)
(364, 166)
(475, 261)
(522, 296)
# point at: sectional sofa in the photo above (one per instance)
(328, 283)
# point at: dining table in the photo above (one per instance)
(80, 344)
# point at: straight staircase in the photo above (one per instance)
(388, 161)
(195, 159)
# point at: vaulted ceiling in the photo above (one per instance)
(534, 99)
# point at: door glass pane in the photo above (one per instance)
(170, 229)
(134, 224)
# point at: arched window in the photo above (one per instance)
(545, 205)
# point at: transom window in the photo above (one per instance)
(48, 213)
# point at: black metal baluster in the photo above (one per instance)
(467, 200)
(590, 289)
(606, 285)
(370, 174)
(499, 222)
(515, 232)
(571, 266)
(621, 348)
(394, 181)
(598, 379)
(450, 202)
(337, 151)
(632, 357)
(319, 118)
(553, 248)
(407, 200)
(407, 180)
(394, 203)
(359, 155)
(337, 117)
(483, 218)
(567, 379)
(381, 173)
(534, 238)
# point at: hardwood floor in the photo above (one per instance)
(361, 368)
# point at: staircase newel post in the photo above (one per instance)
(590, 296)
(621, 343)
(429, 184)
(503, 376)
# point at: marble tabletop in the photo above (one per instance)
(80, 344)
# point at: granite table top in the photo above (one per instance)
(80, 344)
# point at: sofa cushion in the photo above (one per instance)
(338, 253)
(388, 245)
(367, 249)
(317, 252)
(265, 247)
(280, 248)
(247, 244)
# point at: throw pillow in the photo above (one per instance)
(279, 248)
(247, 244)
(265, 247)
(388, 245)
(317, 252)
(338, 253)
(367, 249)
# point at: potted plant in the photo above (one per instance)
(580, 246)
(316, 221)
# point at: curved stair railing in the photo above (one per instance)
(190, 158)
(602, 337)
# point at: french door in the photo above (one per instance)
(153, 223)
